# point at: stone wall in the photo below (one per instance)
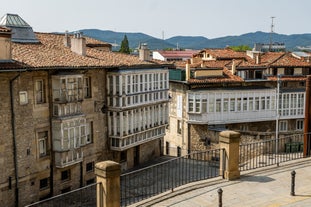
(30, 118)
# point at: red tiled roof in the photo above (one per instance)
(11, 65)
(177, 53)
(226, 78)
(51, 52)
(287, 60)
(224, 53)
(4, 29)
(287, 78)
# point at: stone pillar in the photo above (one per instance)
(229, 158)
(108, 191)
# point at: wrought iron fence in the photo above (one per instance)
(82, 197)
(269, 152)
(165, 176)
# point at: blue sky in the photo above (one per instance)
(158, 18)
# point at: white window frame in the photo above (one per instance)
(299, 124)
(40, 91)
(23, 97)
(42, 143)
(87, 87)
(283, 126)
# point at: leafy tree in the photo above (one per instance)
(125, 46)
(241, 48)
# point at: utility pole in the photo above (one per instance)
(271, 32)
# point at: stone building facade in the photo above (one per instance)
(55, 110)
(220, 89)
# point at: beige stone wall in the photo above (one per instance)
(149, 151)
(172, 136)
(31, 118)
(6, 143)
(199, 134)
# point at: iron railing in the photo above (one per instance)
(82, 197)
(150, 181)
(270, 152)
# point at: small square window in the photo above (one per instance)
(23, 97)
(66, 190)
(65, 175)
(90, 167)
(90, 181)
(44, 183)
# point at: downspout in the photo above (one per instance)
(307, 123)
(14, 140)
(189, 139)
(51, 135)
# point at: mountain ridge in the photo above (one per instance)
(291, 41)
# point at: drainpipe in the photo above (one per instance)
(307, 127)
(50, 96)
(14, 140)
(189, 139)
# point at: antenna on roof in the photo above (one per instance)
(271, 32)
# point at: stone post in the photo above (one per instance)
(229, 158)
(108, 191)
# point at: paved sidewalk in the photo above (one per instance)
(264, 187)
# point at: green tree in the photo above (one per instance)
(125, 46)
(241, 48)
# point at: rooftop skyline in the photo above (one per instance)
(165, 19)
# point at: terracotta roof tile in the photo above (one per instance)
(226, 78)
(287, 78)
(224, 53)
(181, 54)
(51, 52)
(11, 65)
(4, 29)
(287, 60)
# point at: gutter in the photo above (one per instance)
(14, 140)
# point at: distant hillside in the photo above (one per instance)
(134, 38)
(198, 42)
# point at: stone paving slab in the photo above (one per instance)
(264, 187)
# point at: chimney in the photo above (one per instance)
(187, 70)
(67, 39)
(233, 69)
(78, 44)
(258, 58)
(5, 44)
(144, 52)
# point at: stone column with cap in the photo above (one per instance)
(108, 189)
(229, 158)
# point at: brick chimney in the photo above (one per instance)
(258, 58)
(188, 70)
(233, 68)
(67, 41)
(5, 44)
(144, 52)
(78, 44)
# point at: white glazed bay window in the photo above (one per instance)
(67, 88)
(238, 106)
(71, 134)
